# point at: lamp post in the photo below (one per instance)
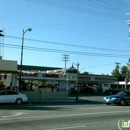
(77, 81)
(20, 78)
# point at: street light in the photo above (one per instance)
(20, 78)
(77, 81)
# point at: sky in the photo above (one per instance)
(93, 33)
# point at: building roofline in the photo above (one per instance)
(42, 68)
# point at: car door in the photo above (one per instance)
(11, 96)
(2, 97)
(127, 96)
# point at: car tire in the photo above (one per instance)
(122, 102)
(19, 101)
(108, 103)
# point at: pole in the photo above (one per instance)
(117, 67)
(125, 83)
(20, 78)
(77, 83)
(65, 58)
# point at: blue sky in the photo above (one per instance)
(93, 33)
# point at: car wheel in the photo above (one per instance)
(19, 101)
(108, 103)
(122, 102)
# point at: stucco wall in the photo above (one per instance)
(8, 65)
(36, 96)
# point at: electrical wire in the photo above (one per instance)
(70, 45)
(65, 51)
(80, 8)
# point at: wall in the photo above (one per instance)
(6, 68)
(8, 65)
(62, 85)
(36, 96)
(6, 81)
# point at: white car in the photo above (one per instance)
(9, 96)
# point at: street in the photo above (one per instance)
(58, 116)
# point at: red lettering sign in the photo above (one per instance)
(52, 75)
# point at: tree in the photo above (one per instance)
(124, 72)
(116, 73)
(85, 72)
(120, 74)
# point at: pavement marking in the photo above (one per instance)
(14, 115)
(65, 128)
(69, 115)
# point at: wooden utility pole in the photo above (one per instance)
(65, 58)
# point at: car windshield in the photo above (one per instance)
(121, 93)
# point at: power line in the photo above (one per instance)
(103, 65)
(65, 51)
(72, 45)
(86, 33)
(93, 9)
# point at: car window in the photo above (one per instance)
(128, 93)
(122, 93)
(12, 93)
(2, 93)
(8, 93)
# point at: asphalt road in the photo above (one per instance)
(69, 116)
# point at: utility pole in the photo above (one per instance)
(117, 67)
(1, 43)
(65, 58)
(127, 75)
(77, 81)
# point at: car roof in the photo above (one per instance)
(128, 91)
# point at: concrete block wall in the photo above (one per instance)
(36, 96)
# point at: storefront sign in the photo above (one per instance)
(68, 76)
(51, 75)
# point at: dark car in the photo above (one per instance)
(121, 98)
(113, 90)
(87, 90)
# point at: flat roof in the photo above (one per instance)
(41, 68)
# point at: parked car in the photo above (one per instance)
(121, 98)
(9, 96)
(113, 90)
(87, 90)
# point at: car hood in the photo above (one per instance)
(114, 96)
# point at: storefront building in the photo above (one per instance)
(51, 82)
